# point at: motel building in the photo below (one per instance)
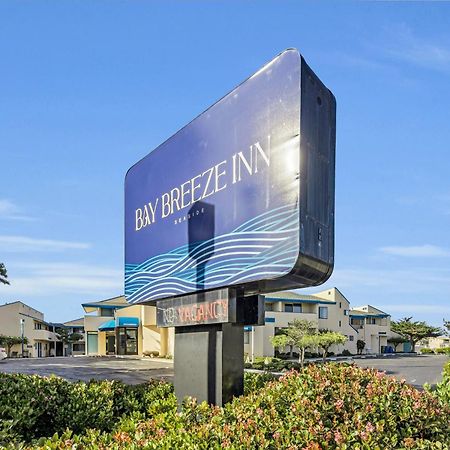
(18, 319)
(328, 310)
(113, 327)
(374, 327)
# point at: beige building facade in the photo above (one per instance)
(18, 319)
(328, 310)
(113, 327)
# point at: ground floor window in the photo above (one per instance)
(246, 337)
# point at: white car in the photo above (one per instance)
(3, 353)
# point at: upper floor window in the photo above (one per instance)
(289, 307)
(323, 312)
(106, 312)
(345, 312)
(269, 306)
(351, 338)
(371, 321)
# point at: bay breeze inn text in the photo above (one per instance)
(204, 185)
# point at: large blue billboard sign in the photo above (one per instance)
(242, 196)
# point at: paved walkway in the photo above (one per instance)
(128, 370)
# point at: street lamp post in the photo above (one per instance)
(22, 322)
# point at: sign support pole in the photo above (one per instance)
(209, 362)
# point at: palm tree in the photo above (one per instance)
(3, 274)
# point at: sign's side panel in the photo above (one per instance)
(317, 177)
(217, 204)
(317, 186)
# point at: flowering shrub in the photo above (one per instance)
(323, 407)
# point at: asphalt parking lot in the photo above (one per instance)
(416, 370)
(128, 370)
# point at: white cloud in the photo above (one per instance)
(406, 46)
(416, 251)
(28, 244)
(10, 211)
(52, 279)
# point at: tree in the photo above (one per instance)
(325, 339)
(414, 331)
(447, 326)
(68, 338)
(3, 274)
(360, 345)
(396, 341)
(301, 334)
(10, 341)
(281, 341)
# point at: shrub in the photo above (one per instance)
(426, 351)
(442, 351)
(32, 406)
(443, 388)
(346, 352)
(323, 407)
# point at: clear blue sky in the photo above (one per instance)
(88, 88)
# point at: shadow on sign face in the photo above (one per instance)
(201, 233)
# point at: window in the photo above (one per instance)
(269, 306)
(351, 338)
(345, 312)
(246, 337)
(371, 321)
(104, 312)
(340, 305)
(323, 312)
(288, 307)
(340, 323)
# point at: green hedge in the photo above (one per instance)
(437, 351)
(426, 351)
(330, 406)
(32, 406)
(442, 351)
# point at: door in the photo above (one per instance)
(110, 344)
(92, 343)
(127, 338)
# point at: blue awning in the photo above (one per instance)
(127, 322)
(107, 326)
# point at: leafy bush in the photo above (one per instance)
(426, 351)
(442, 351)
(443, 388)
(330, 406)
(32, 406)
(346, 352)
